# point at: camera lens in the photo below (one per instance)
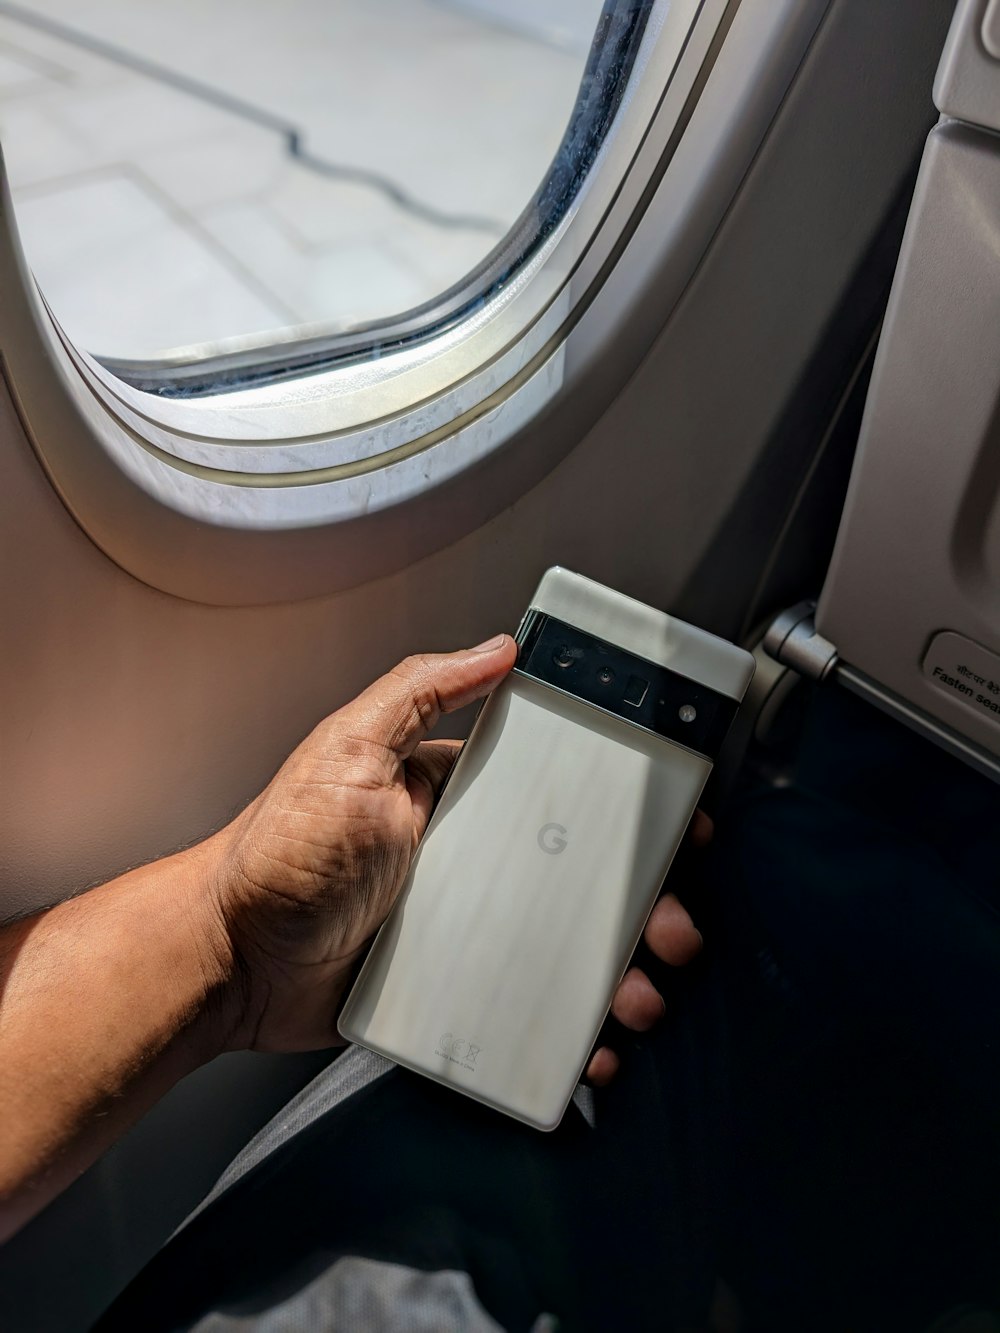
(565, 657)
(605, 675)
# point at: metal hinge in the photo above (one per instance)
(792, 640)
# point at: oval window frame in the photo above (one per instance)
(277, 516)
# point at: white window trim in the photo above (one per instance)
(289, 489)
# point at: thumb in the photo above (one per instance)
(402, 707)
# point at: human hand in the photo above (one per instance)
(245, 940)
(308, 872)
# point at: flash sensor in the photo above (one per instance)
(687, 712)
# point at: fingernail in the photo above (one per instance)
(490, 646)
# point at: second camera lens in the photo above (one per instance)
(605, 675)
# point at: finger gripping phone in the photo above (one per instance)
(547, 850)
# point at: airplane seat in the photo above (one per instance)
(909, 615)
(854, 876)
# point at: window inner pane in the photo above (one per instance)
(190, 177)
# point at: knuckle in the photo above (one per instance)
(426, 707)
(413, 668)
(417, 676)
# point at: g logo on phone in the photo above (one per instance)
(552, 838)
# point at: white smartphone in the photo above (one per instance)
(548, 849)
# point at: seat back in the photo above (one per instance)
(911, 603)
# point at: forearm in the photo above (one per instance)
(245, 941)
(106, 1001)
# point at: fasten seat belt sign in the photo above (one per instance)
(965, 670)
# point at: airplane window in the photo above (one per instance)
(303, 269)
(208, 193)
